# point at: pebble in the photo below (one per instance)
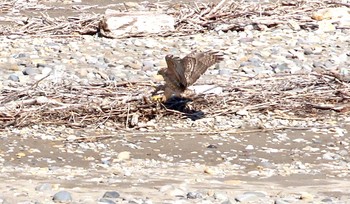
(30, 71)
(62, 196)
(331, 156)
(247, 197)
(281, 201)
(111, 194)
(14, 77)
(105, 201)
(306, 196)
(194, 195)
(44, 187)
(220, 196)
(249, 147)
(124, 156)
(225, 72)
(148, 64)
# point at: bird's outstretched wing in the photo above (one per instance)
(196, 63)
(174, 73)
(175, 67)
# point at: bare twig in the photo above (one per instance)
(79, 106)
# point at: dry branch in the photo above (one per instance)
(125, 105)
(227, 15)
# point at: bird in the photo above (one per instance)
(182, 73)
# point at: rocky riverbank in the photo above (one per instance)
(227, 157)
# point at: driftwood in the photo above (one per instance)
(125, 105)
(230, 15)
(227, 15)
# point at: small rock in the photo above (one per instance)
(14, 67)
(306, 196)
(327, 200)
(45, 71)
(330, 156)
(91, 60)
(280, 201)
(331, 13)
(62, 196)
(151, 44)
(242, 112)
(105, 201)
(134, 65)
(308, 51)
(124, 156)
(249, 147)
(44, 187)
(246, 40)
(39, 62)
(258, 194)
(210, 171)
(194, 195)
(227, 202)
(247, 197)
(20, 55)
(281, 68)
(30, 71)
(148, 52)
(172, 190)
(325, 26)
(224, 72)
(111, 194)
(318, 64)
(212, 146)
(13, 77)
(148, 64)
(131, 4)
(220, 196)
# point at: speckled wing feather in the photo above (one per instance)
(174, 73)
(181, 73)
(196, 63)
(175, 65)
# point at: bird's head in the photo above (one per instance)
(169, 56)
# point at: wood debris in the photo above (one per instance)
(227, 15)
(126, 105)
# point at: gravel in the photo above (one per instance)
(46, 164)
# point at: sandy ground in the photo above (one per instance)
(303, 166)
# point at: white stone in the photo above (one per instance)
(117, 24)
(249, 147)
(206, 89)
(340, 13)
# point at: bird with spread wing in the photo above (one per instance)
(182, 73)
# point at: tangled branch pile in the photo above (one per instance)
(190, 18)
(231, 15)
(125, 104)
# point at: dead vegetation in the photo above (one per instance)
(125, 105)
(227, 15)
